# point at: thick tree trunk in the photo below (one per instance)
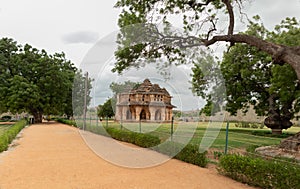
(38, 117)
(275, 120)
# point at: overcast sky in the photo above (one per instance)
(80, 28)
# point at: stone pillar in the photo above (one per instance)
(167, 114)
(118, 113)
(163, 114)
(124, 113)
(137, 113)
(152, 113)
(148, 114)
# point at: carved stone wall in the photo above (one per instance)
(149, 102)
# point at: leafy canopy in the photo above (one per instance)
(146, 34)
(251, 78)
(34, 81)
(106, 110)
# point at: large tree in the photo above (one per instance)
(201, 28)
(251, 78)
(126, 86)
(106, 110)
(33, 81)
(79, 93)
(146, 33)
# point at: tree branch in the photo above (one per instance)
(194, 5)
(231, 16)
(263, 45)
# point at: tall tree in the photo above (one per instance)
(78, 93)
(251, 78)
(8, 58)
(127, 86)
(106, 110)
(208, 83)
(34, 81)
(201, 28)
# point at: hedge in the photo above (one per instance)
(188, 153)
(268, 133)
(260, 172)
(139, 139)
(8, 136)
(66, 121)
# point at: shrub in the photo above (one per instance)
(268, 133)
(66, 121)
(218, 154)
(9, 135)
(140, 139)
(187, 153)
(260, 172)
(190, 154)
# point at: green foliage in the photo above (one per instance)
(218, 154)
(66, 121)
(34, 81)
(210, 108)
(208, 83)
(268, 133)
(125, 87)
(9, 135)
(155, 44)
(188, 153)
(177, 113)
(252, 78)
(260, 172)
(107, 109)
(191, 154)
(78, 94)
(139, 139)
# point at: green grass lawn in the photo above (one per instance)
(198, 133)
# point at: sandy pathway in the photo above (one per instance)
(55, 156)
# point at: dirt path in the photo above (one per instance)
(55, 156)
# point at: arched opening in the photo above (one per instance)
(157, 115)
(128, 115)
(143, 115)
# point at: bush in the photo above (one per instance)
(8, 136)
(187, 153)
(190, 154)
(260, 172)
(268, 133)
(139, 139)
(66, 121)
